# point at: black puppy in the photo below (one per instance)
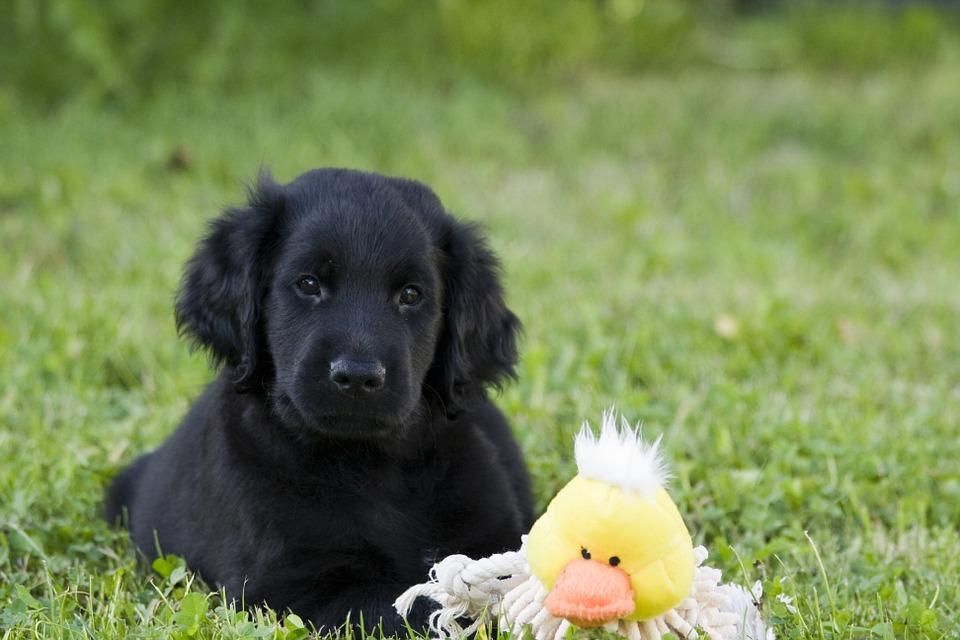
(348, 441)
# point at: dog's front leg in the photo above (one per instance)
(369, 609)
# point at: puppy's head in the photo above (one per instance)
(351, 301)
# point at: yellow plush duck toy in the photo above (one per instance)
(611, 551)
(612, 543)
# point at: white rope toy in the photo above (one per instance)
(503, 588)
(501, 585)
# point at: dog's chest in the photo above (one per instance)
(361, 505)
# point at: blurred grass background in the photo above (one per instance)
(120, 52)
(737, 220)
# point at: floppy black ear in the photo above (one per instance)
(221, 293)
(478, 342)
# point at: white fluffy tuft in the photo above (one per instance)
(619, 456)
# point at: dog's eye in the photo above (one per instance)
(308, 285)
(410, 295)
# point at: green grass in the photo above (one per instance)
(761, 267)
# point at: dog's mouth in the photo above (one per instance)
(354, 423)
(352, 427)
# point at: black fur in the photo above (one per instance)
(289, 487)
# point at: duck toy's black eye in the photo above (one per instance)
(614, 561)
(584, 553)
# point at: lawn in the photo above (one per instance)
(761, 267)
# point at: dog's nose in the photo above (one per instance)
(357, 377)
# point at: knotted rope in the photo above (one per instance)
(502, 587)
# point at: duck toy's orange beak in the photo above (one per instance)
(589, 593)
